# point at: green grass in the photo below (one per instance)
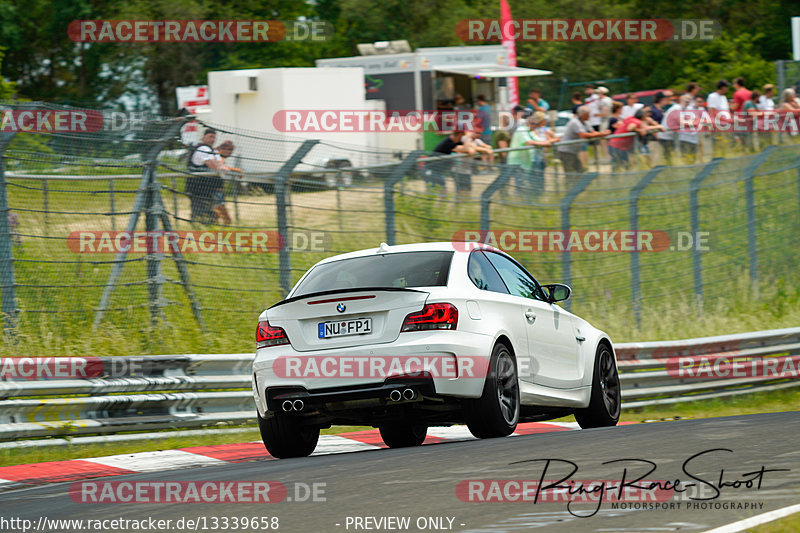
(789, 524)
(745, 404)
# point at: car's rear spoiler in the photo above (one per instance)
(341, 291)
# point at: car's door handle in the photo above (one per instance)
(580, 338)
(530, 315)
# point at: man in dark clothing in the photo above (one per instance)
(201, 189)
(435, 170)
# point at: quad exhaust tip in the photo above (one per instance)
(395, 395)
(409, 394)
(298, 405)
(288, 406)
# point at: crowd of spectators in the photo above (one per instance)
(622, 130)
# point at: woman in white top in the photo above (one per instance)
(765, 101)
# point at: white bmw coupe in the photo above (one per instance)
(411, 336)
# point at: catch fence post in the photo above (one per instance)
(633, 209)
(281, 186)
(694, 215)
(749, 192)
(9, 304)
(397, 174)
(566, 208)
(506, 171)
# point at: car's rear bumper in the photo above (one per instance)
(459, 350)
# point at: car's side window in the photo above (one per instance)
(483, 274)
(519, 282)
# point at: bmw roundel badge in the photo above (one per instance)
(341, 308)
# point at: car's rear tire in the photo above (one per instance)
(604, 406)
(403, 435)
(496, 412)
(285, 437)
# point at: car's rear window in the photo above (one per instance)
(404, 269)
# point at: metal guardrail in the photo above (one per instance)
(161, 392)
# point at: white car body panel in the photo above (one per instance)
(555, 367)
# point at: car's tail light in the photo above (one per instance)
(432, 316)
(267, 335)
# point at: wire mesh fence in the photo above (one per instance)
(104, 227)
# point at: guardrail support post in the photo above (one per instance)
(281, 188)
(752, 243)
(566, 207)
(397, 174)
(633, 207)
(9, 295)
(506, 171)
(694, 215)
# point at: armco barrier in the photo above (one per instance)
(146, 393)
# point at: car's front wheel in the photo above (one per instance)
(496, 412)
(285, 437)
(403, 435)
(604, 406)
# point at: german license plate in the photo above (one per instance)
(342, 328)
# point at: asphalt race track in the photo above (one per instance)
(419, 484)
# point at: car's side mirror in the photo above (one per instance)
(557, 292)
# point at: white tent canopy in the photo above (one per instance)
(493, 71)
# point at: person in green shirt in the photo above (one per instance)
(531, 161)
(751, 109)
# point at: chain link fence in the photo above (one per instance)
(100, 229)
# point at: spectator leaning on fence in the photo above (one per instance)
(616, 110)
(201, 189)
(666, 137)
(435, 170)
(604, 104)
(576, 129)
(717, 101)
(765, 101)
(631, 107)
(740, 94)
(531, 161)
(790, 104)
(220, 210)
(542, 129)
(688, 137)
